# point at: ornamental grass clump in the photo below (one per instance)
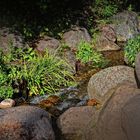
(86, 53)
(24, 72)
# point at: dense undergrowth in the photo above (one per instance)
(25, 73)
(36, 18)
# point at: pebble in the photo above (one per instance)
(7, 103)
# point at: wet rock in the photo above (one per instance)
(47, 43)
(7, 103)
(130, 116)
(37, 99)
(137, 69)
(103, 44)
(109, 125)
(102, 84)
(75, 123)
(25, 123)
(83, 101)
(50, 101)
(125, 25)
(67, 103)
(73, 37)
(114, 57)
(10, 39)
(68, 93)
(93, 102)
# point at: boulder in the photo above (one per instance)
(73, 37)
(7, 103)
(130, 117)
(47, 43)
(137, 69)
(74, 124)
(10, 39)
(25, 123)
(70, 58)
(108, 32)
(125, 25)
(109, 125)
(139, 24)
(104, 44)
(102, 84)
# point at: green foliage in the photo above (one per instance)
(25, 71)
(6, 91)
(86, 53)
(105, 8)
(131, 49)
(130, 7)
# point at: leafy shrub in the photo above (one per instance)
(5, 88)
(25, 71)
(105, 8)
(131, 49)
(86, 53)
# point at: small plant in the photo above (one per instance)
(131, 49)
(130, 7)
(26, 72)
(6, 90)
(104, 8)
(86, 53)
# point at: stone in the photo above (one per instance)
(139, 24)
(75, 123)
(66, 104)
(108, 32)
(50, 101)
(102, 84)
(73, 37)
(70, 58)
(9, 38)
(125, 25)
(130, 118)
(25, 123)
(103, 44)
(7, 103)
(49, 43)
(137, 69)
(109, 125)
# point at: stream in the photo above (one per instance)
(73, 96)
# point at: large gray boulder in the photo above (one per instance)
(104, 44)
(73, 37)
(109, 125)
(10, 39)
(106, 38)
(137, 69)
(25, 123)
(49, 43)
(102, 84)
(126, 25)
(75, 123)
(130, 116)
(108, 32)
